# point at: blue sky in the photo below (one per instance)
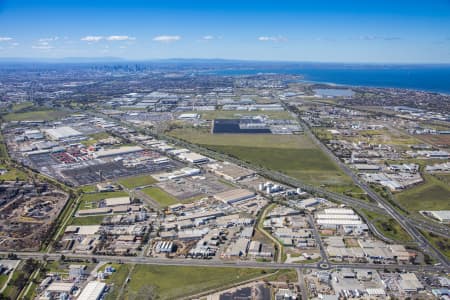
(322, 31)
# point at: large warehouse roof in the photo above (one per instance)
(117, 151)
(62, 132)
(234, 195)
(92, 291)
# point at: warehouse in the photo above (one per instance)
(409, 283)
(117, 151)
(194, 158)
(94, 211)
(230, 171)
(441, 215)
(117, 201)
(337, 217)
(62, 132)
(233, 196)
(93, 291)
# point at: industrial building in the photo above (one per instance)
(62, 132)
(440, 215)
(194, 158)
(92, 291)
(117, 151)
(116, 201)
(332, 217)
(233, 196)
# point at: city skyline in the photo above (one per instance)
(324, 31)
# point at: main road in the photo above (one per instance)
(219, 263)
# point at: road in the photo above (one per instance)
(219, 263)
(301, 284)
(323, 253)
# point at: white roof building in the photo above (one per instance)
(117, 201)
(62, 132)
(92, 291)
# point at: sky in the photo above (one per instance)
(307, 31)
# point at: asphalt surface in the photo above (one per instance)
(219, 263)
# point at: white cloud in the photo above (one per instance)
(167, 38)
(272, 39)
(5, 39)
(208, 37)
(92, 38)
(120, 38)
(49, 39)
(42, 47)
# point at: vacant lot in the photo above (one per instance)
(90, 220)
(45, 115)
(13, 174)
(90, 200)
(160, 196)
(204, 137)
(440, 242)
(232, 114)
(309, 165)
(294, 155)
(133, 182)
(438, 140)
(433, 194)
(173, 282)
(388, 226)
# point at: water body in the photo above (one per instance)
(424, 78)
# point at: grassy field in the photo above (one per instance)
(20, 106)
(94, 138)
(46, 115)
(173, 282)
(87, 200)
(204, 137)
(90, 220)
(388, 226)
(133, 182)
(440, 242)
(12, 174)
(160, 196)
(294, 155)
(433, 194)
(231, 114)
(117, 279)
(309, 165)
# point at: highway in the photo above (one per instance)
(220, 263)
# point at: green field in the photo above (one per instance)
(387, 226)
(89, 220)
(440, 242)
(433, 194)
(232, 114)
(173, 282)
(133, 182)
(294, 155)
(20, 106)
(204, 137)
(89, 200)
(308, 165)
(12, 174)
(46, 115)
(94, 138)
(160, 196)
